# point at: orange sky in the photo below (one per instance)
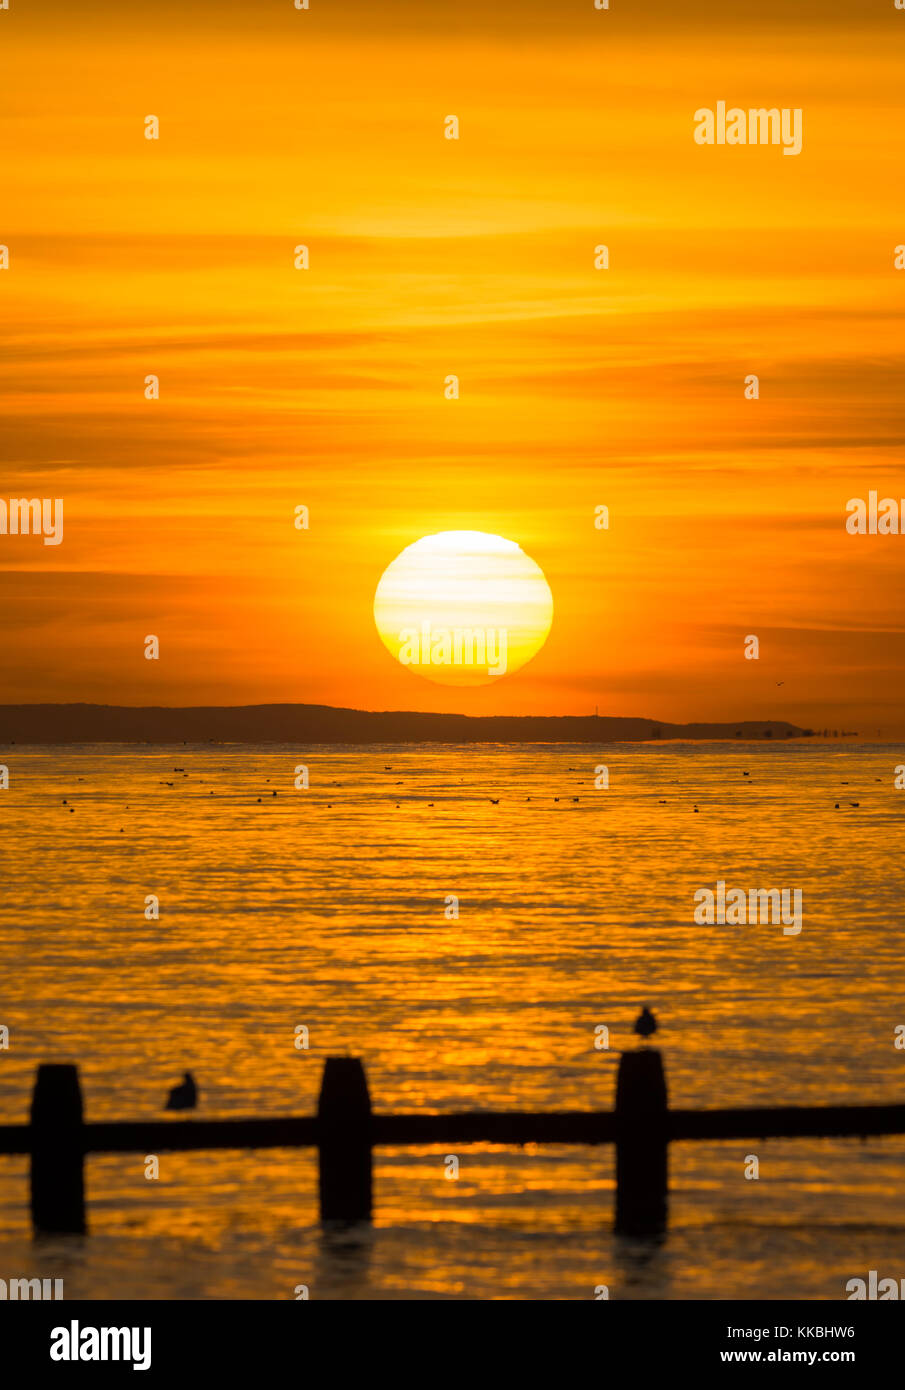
(475, 257)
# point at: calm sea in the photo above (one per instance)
(327, 907)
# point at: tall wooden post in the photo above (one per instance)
(641, 1144)
(344, 1120)
(57, 1152)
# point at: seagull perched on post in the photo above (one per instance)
(184, 1097)
(645, 1023)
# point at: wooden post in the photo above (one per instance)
(344, 1120)
(57, 1151)
(641, 1144)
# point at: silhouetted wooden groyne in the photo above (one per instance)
(346, 1131)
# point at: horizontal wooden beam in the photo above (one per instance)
(471, 1127)
(787, 1122)
(497, 1127)
(512, 1127)
(15, 1139)
(153, 1136)
(164, 1136)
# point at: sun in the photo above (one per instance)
(463, 607)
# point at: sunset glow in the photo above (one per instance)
(579, 386)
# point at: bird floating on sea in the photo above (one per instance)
(184, 1097)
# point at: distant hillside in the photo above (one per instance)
(324, 724)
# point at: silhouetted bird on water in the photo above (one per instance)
(184, 1097)
(645, 1023)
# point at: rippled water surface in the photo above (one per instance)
(327, 907)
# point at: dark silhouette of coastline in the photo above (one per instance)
(326, 724)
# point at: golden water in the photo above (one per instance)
(326, 908)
